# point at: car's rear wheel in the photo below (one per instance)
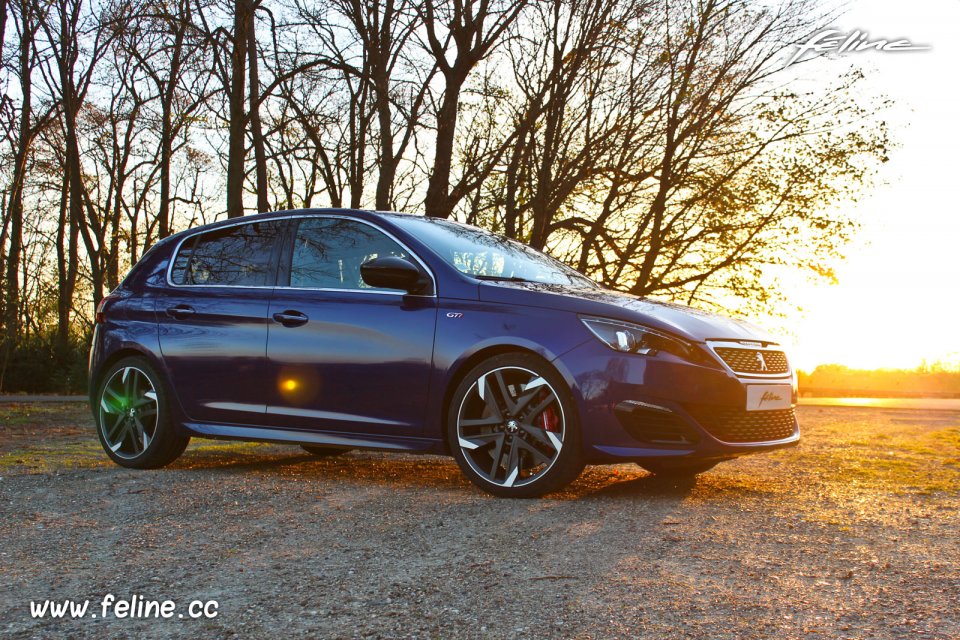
(323, 452)
(513, 428)
(133, 417)
(678, 469)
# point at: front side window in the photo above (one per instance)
(240, 256)
(328, 252)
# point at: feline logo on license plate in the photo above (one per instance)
(767, 397)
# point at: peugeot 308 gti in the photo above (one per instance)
(342, 329)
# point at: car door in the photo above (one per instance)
(213, 319)
(343, 356)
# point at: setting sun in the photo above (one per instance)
(895, 303)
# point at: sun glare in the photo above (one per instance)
(895, 305)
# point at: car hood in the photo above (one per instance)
(687, 322)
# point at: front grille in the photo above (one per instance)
(736, 425)
(653, 426)
(754, 360)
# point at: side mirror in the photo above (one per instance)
(391, 272)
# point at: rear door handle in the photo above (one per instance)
(290, 318)
(181, 311)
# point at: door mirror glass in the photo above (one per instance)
(391, 272)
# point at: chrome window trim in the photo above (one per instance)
(176, 252)
(754, 345)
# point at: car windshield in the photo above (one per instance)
(488, 256)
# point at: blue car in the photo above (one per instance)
(338, 329)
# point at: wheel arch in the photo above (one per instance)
(128, 351)
(462, 367)
(118, 355)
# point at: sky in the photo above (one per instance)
(897, 302)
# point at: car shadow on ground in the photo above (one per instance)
(650, 486)
(422, 471)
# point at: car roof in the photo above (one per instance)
(290, 213)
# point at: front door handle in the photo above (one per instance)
(290, 318)
(181, 311)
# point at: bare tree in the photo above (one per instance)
(739, 160)
(343, 129)
(171, 51)
(399, 84)
(68, 28)
(13, 220)
(654, 149)
(578, 120)
(27, 19)
(467, 30)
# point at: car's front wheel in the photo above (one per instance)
(133, 418)
(513, 428)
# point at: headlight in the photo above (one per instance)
(634, 338)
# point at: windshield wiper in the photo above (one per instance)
(503, 278)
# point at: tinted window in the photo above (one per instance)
(483, 254)
(241, 256)
(328, 252)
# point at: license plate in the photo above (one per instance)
(767, 397)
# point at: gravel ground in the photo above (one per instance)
(854, 534)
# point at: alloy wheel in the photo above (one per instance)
(510, 426)
(128, 412)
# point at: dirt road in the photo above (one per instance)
(855, 534)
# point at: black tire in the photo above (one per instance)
(121, 443)
(551, 450)
(678, 469)
(323, 452)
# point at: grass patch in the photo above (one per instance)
(44, 414)
(902, 460)
(89, 454)
(949, 437)
(56, 456)
(224, 446)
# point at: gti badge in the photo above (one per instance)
(454, 314)
(761, 362)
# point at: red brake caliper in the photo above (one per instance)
(549, 420)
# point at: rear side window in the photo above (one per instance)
(241, 256)
(328, 252)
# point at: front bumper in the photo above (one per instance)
(635, 407)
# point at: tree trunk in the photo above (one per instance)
(437, 203)
(388, 164)
(15, 205)
(4, 232)
(379, 57)
(237, 143)
(256, 129)
(3, 22)
(166, 151)
(64, 286)
(166, 134)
